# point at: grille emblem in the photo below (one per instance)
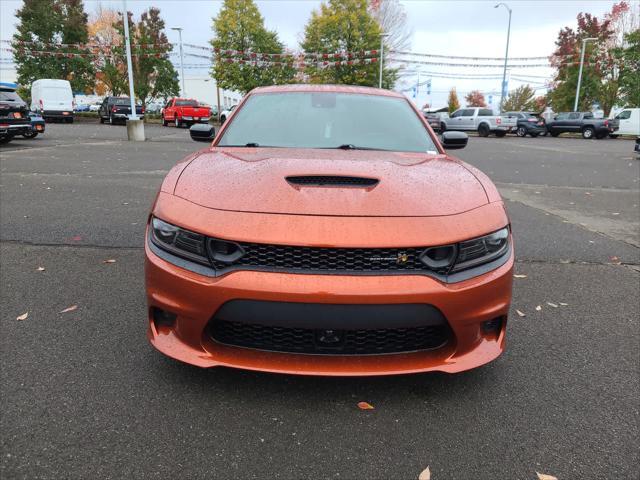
(329, 337)
(401, 259)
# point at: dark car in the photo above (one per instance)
(529, 123)
(433, 119)
(582, 122)
(14, 116)
(637, 147)
(37, 125)
(117, 109)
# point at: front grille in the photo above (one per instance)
(345, 342)
(292, 258)
(332, 180)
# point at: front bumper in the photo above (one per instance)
(196, 298)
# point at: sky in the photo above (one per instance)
(443, 27)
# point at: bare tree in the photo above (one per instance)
(392, 18)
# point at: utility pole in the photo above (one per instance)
(382, 36)
(506, 56)
(135, 127)
(584, 44)
(179, 29)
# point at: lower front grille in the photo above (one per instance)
(329, 342)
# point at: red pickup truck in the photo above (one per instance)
(184, 111)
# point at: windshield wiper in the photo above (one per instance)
(351, 146)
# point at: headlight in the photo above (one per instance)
(481, 250)
(178, 241)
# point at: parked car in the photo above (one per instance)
(628, 122)
(14, 116)
(581, 122)
(184, 111)
(83, 107)
(435, 119)
(528, 123)
(37, 125)
(482, 120)
(226, 113)
(52, 99)
(94, 107)
(335, 236)
(115, 109)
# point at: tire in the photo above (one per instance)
(588, 133)
(110, 119)
(534, 135)
(6, 139)
(521, 132)
(443, 127)
(222, 119)
(613, 135)
(554, 134)
(31, 135)
(164, 122)
(177, 122)
(101, 119)
(500, 133)
(483, 130)
(69, 120)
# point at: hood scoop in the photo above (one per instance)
(332, 181)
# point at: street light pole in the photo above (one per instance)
(584, 44)
(132, 96)
(382, 35)
(179, 29)
(506, 56)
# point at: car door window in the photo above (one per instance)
(456, 114)
(574, 116)
(467, 112)
(624, 115)
(587, 115)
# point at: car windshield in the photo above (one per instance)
(186, 103)
(328, 120)
(122, 101)
(6, 96)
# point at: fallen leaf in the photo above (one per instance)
(565, 261)
(23, 316)
(76, 238)
(425, 474)
(70, 309)
(615, 213)
(519, 276)
(552, 305)
(563, 304)
(111, 260)
(587, 193)
(365, 406)
(40, 269)
(542, 476)
(538, 308)
(521, 314)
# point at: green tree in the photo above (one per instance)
(521, 99)
(53, 22)
(240, 26)
(153, 73)
(629, 79)
(453, 102)
(345, 26)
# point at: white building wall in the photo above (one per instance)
(204, 89)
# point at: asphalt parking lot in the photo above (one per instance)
(83, 395)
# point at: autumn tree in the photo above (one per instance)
(111, 69)
(520, 99)
(453, 102)
(345, 26)
(59, 22)
(475, 98)
(240, 26)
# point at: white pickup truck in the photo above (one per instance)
(481, 120)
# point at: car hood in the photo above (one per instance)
(256, 180)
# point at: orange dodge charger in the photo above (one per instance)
(326, 231)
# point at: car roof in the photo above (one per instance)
(327, 88)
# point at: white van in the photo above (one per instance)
(52, 99)
(629, 121)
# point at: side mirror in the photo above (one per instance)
(202, 132)
(454, 140)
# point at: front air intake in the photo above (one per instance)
(332, 181)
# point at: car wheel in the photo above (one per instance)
(588, 132)
(443, 127)
(222, 119)
(176, 122)
(554, 134)
(165, 123)
(110, 119)
(613, 135)
(500, 133)
(6, 139)
(483, 130)
(521, 132)
(534, 135)
(68, 120)
(33, 134)
(101, 119)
